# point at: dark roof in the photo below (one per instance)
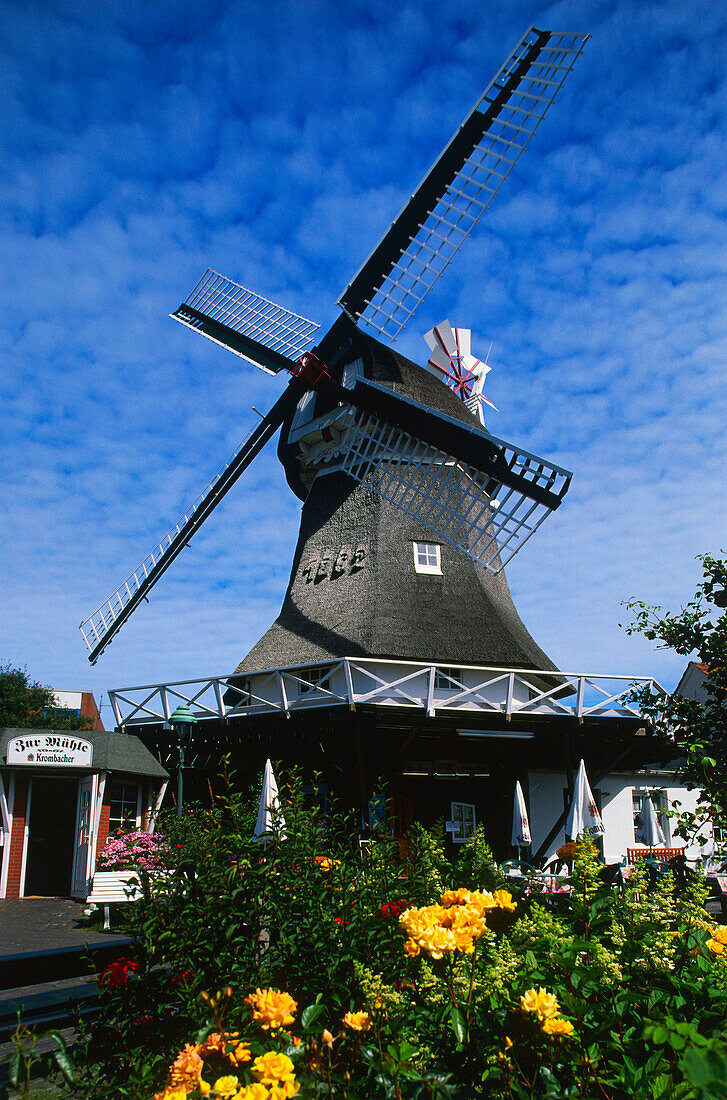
(112, 752)
(385, 608)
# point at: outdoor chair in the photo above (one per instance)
(516, 868)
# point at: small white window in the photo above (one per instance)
(463, 816)
(427, 557)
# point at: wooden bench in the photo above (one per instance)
(663, 854)
(111, 888)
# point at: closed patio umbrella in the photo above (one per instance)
(521, 837)
(583, 816)
(650, 831)
(269, 806)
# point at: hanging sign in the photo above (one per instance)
(51, 750)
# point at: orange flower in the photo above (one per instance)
(357, 1021)
(227, 1044)
(184, 1074)
(271, 1009)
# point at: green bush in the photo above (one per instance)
(612, 994)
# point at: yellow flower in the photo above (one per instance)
(718, 942)
(271, 1068)
(411, 948)
(172, 1093)
(557, 1027)
(455, 897)
(508, 1041)
(544, 1004)
(503, 900)
(327, 1037)
(357, 1021)
(205, 1088)
(284, 1089)
(271, 1009)
(226, 1087)
(256, 1091)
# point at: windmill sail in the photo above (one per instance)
(459, 187)
(266, 334)
(474, 491)
(100, 627)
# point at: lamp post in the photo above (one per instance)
(182, 721)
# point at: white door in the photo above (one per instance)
(83, 838)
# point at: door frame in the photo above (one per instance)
(26, 834)
(84, 782)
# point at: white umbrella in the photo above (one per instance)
(583, 816)
(521, 837)
(269, 806)
(650, 831)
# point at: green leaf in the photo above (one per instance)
(696, 1068)
(458, 1025)
(311, 1014)
(65, 1066)
(15, 1070)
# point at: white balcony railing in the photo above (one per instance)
(353, 681)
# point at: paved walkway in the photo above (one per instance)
(40, 924)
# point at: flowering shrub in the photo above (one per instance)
(133, 850)
(117, 973)
(355, 977)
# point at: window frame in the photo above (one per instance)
(124, 783)
(433, 569)
(660, 801)
(462, 838)
(319, 673)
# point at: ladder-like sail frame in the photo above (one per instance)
(449, 202)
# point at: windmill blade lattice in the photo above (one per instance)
(478, 493)
(100, 627)
(266, 334)
(459, 187)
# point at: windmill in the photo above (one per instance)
(357, 412)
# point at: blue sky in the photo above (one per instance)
(275, 141)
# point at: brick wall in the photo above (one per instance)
(17, 837)
(103, 824)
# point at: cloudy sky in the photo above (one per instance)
(142, 143)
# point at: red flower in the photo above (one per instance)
(394, 908)
(183, 976)
(117, 973)
(340, 920)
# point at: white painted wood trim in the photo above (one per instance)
(96, 804)
(151, 824)
(8, 801)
